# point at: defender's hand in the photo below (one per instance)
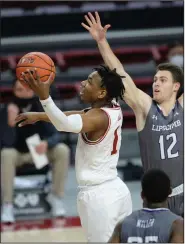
(27, 118)
(31, 77)
(94, 26)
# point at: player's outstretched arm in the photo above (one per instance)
(93, 120)
(133, 96)
(33, 117)
(177, 231)
(115, 238)
(72, 121)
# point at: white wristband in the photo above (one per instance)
(72, 123)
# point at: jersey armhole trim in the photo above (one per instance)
(102, 137)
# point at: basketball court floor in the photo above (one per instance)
(58, 229)
(54, 235)
(58, 232)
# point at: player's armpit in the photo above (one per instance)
(93, 120)
(134, 97)
(177, 235)
(116, 236)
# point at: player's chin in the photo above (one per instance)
(157, 99)
(82, 97)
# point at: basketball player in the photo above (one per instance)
(155, 223)
(103, 198)
(159, 121)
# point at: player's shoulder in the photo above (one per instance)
(132, 217)
(114, 110)
(175, 220)
(97, 115)
(130, 221)
(175, 217)
(95, 111)
(178, 223)
(92, 110)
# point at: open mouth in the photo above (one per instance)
(156, 91)
(81, 92)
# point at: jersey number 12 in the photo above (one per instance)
(169, 150)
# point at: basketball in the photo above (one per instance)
(41, 61)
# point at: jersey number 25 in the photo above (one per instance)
(147, 239)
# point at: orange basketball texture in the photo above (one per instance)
(41, 61)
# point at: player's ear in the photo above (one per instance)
(177, 86)
(102, 94)
(142, 195)
(170, 191)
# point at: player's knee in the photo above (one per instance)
(62, 150)
(8, 154)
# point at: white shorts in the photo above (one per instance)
(101, 207)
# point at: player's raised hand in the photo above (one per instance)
(27, 118)
(94, 26)
(31, 77)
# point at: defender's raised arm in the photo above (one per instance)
(133, 96)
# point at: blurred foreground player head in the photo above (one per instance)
(156, 188)
(22, 91)
(154, 223)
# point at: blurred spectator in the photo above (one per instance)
(14, 151)
(176, 55)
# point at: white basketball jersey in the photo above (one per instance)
(96, 161)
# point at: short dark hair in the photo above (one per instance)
(112, 81)
(177, 74)
(156, 186)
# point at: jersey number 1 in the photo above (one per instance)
(169, 150)
(115, 142)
